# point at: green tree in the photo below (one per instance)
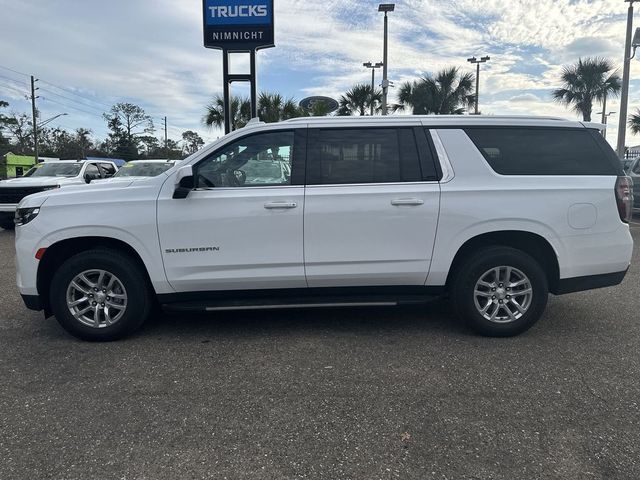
(5, 122)
(83, 142)
(448, 92)
(590, 80)
(358, 100)
(272, 107)
(173, 150)
(191, 143)
(150, 145)
(127, 122)
(634, 122)
(240, 112)
(20, 127)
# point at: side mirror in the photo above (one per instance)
(184, 182)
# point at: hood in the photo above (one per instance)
(117, 179)
(32, 182)
(37, 199)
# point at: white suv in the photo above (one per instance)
(494, 211)
(48, 176)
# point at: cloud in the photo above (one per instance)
(525, 98)
(152, 54)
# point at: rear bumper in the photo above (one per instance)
(32, 302)
(590, 282)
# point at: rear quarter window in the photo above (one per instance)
(543, 151)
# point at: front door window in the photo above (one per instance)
(258, 160)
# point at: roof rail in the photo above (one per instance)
(405, 117)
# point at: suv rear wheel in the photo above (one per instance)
(500, 291)
(100, 295)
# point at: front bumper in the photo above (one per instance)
(32, 302)
(8, 207)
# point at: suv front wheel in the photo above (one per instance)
(500, 291)
(100, 295)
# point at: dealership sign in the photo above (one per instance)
(238, 25)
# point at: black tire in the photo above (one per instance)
(132, 278)
(473, 268)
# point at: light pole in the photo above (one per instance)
(373, 67)
(386, 8)
(605, 121)
(474, 60)
(49, 120)
(624, 97)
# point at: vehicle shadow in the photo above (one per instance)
(433, 317)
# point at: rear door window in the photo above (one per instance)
(363, 155)
(542, 151)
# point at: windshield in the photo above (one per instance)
(143, 169)
(51, 169)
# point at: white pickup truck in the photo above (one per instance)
(48, 176)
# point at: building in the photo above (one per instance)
(12, 166)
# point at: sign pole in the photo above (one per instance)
(238, 27)
(226, 92)
(254, 86)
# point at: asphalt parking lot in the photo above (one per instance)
(379, 393)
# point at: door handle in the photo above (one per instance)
(276, 205)
(407, 201)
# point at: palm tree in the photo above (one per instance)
(272, 107)
(358, 100)
(240, 112)
(589, 80)
(446, 93)
(634, 122)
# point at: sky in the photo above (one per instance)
(89, 55)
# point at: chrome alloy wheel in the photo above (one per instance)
(96, 298)
(503, 294)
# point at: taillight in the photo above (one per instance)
(624, 198)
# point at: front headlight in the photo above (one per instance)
(50, 187)
(25, 215)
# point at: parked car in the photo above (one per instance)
(634, 173)
(48, 176)
(142, 169)
(496, 212)
(627, 163)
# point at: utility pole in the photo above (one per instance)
(166, 139)
(477, 62)
(373, 67)
(386, 8)
(624, 97)
(34, 116)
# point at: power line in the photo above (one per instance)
(14, 80)
(67, 90)
(72, 100)
(102, 106)
(14, 71)
(71, 106)
(13, 88)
